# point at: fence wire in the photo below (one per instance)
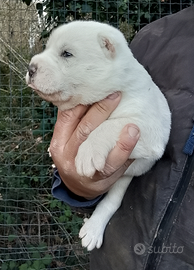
(37, 231)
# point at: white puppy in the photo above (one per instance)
(83, 63)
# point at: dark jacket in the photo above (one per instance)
(154, 227)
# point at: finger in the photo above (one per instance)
(96, 115)
(104, 185)
(64, 127)
(121, 152)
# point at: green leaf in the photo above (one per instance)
(68, 213)
(53, 203)
(23, 266)
(35, 178)
(38, 265)
(36, 255)
(12, 237)
(63, 219)
(12, 265)
(47, 259)
(4, 266)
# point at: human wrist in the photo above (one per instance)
(61, 192)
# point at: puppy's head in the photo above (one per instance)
(80, 64)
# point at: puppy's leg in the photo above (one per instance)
(93, 229)
(93, 152)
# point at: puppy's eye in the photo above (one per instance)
(66, 54)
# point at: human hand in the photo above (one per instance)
(72, 128)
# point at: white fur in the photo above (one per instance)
(101, 63)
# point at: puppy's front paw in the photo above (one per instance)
(91, 234)
(90, 157)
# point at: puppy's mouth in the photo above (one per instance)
(51, 97)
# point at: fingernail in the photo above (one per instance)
(133, 132)
(114, 95)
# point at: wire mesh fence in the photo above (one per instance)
(37, 231)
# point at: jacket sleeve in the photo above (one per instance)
(77, 203)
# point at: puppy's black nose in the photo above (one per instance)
(32, 70)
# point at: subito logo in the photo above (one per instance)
(139, 249)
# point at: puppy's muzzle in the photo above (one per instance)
(32, 69)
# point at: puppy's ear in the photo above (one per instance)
(107, 46)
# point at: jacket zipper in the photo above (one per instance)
(171, 213)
